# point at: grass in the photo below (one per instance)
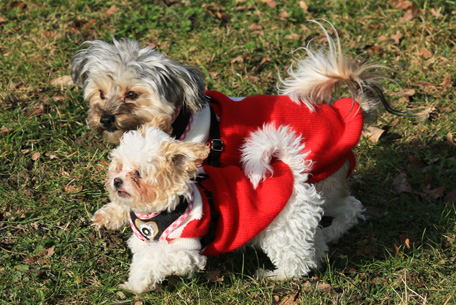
(52, 167)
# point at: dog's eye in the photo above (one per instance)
(131, 95)
(138, 174)
(102, 96)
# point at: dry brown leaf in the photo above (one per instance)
(270, 3)
(19, 5)
(446, 81)
(433, 193)
(5, 130)
(450, 197)
(40, 258)
(404, 5)
(292, 36)
(36, 156)
(72, 188)
(425, 52)
(324, 287)
(237, 59)
(303, 5)
(397, 37)
(406, 17)
(3, 20)
(291, 299)
(401, 184)
(255, 27)
(66, 80)
(373, 133)
(283, 16)
(111, 11)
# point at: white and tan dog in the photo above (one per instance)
(177, 222)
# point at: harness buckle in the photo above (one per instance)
(217, 145)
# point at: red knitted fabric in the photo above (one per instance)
(244, 212)
(329, 133)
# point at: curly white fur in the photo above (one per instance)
(293, 241)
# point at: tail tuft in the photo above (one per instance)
(313, 79)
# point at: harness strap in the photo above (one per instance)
(180, 123)
(152, 228)
(216, 142)
(215, 215)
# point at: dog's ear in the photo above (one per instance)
(194, 90)
(162, 121)
(79, 72)
(186, 155)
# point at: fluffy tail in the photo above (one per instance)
(315, 77)
(274, 142)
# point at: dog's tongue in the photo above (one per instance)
(122, 193)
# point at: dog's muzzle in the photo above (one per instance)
(107, 120)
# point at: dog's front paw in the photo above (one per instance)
(100, 219)
(137, 288)
(111, 216)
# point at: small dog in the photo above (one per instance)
(177, 221)
(128, 87)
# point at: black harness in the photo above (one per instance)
(180, 124)
(152, 228)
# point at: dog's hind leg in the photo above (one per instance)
(294, 241)
(346, 210)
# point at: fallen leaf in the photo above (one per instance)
(401, 185)
(40, 258)
(450, 197)
(19, 5)
(446, 81)
(407, 243)
(293, 36)
(3, 20)
(283, 16)
(111, 11)
(237, 59)
(373, 133)
(270, 3)
(406, 17)
(425, 52)
(36, 156)
(433, 193)
(72, 188)
(263, 60)
(324, 287)
(397, 37)
(255, 27)
(303, 5)
(403, 5)
(66, 80)
(291, 299)
(5, 130)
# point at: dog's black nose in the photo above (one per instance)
(118, 182)
(107, 120)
